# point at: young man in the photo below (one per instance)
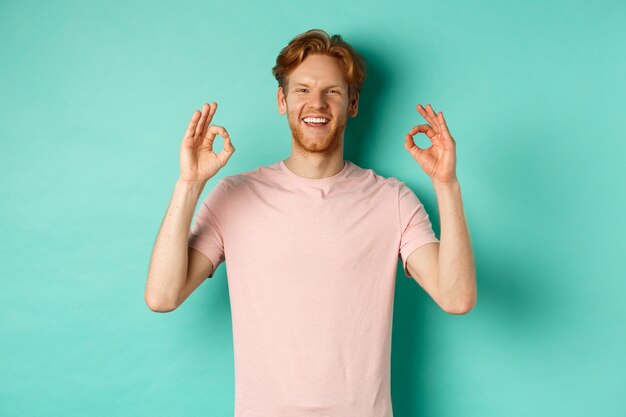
(311, 244)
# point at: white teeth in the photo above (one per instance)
(315, 120)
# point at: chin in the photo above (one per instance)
(325, 144)
(317, 145)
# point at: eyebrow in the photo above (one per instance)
(306, 85)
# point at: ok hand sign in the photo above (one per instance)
(198, 161)
(438, 160)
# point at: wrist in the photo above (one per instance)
(446, 186)
(194, 187)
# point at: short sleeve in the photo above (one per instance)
(206, 233)
(415, 226)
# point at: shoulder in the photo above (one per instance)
(232, 193)
(372, 178)
(250, 179)
(390, 187)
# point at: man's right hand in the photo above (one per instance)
(198, 161)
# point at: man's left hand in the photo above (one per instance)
(438, 160)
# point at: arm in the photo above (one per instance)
(445, 270)
(176, 270)
(170, 273)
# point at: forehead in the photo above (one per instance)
(318, 69)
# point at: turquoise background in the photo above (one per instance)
(95, 100)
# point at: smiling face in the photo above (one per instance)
(317, 104)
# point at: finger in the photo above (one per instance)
(442, 122)
(411, 147)
(427, 129)
(227, 152)
(212, 132)
(212, 109)
(426, 114)
(191, 127)
(431, 111)
(433, 114)
(205, 113)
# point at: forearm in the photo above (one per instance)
(457, 275)
(168, 265)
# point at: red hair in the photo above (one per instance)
(317, 41)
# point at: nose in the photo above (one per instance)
(317, 100)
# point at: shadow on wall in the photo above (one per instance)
(409, 344)
(358, 135)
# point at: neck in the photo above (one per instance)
(315, 165)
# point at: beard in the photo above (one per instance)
(322, 143)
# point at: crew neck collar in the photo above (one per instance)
(325, 180)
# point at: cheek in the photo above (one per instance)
(342, 110)
(294, 108)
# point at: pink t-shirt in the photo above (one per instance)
(311, 267)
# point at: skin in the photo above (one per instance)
(445, 270)
(175, 269)
(198, 161)
(317, 87)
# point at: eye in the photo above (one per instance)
(301, 90)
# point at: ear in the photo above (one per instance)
(281, 101)
(353, 106)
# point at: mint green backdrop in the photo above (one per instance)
(96, 97)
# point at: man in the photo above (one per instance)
(311, 244)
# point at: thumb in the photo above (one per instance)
(411, 147)
(227, 152)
